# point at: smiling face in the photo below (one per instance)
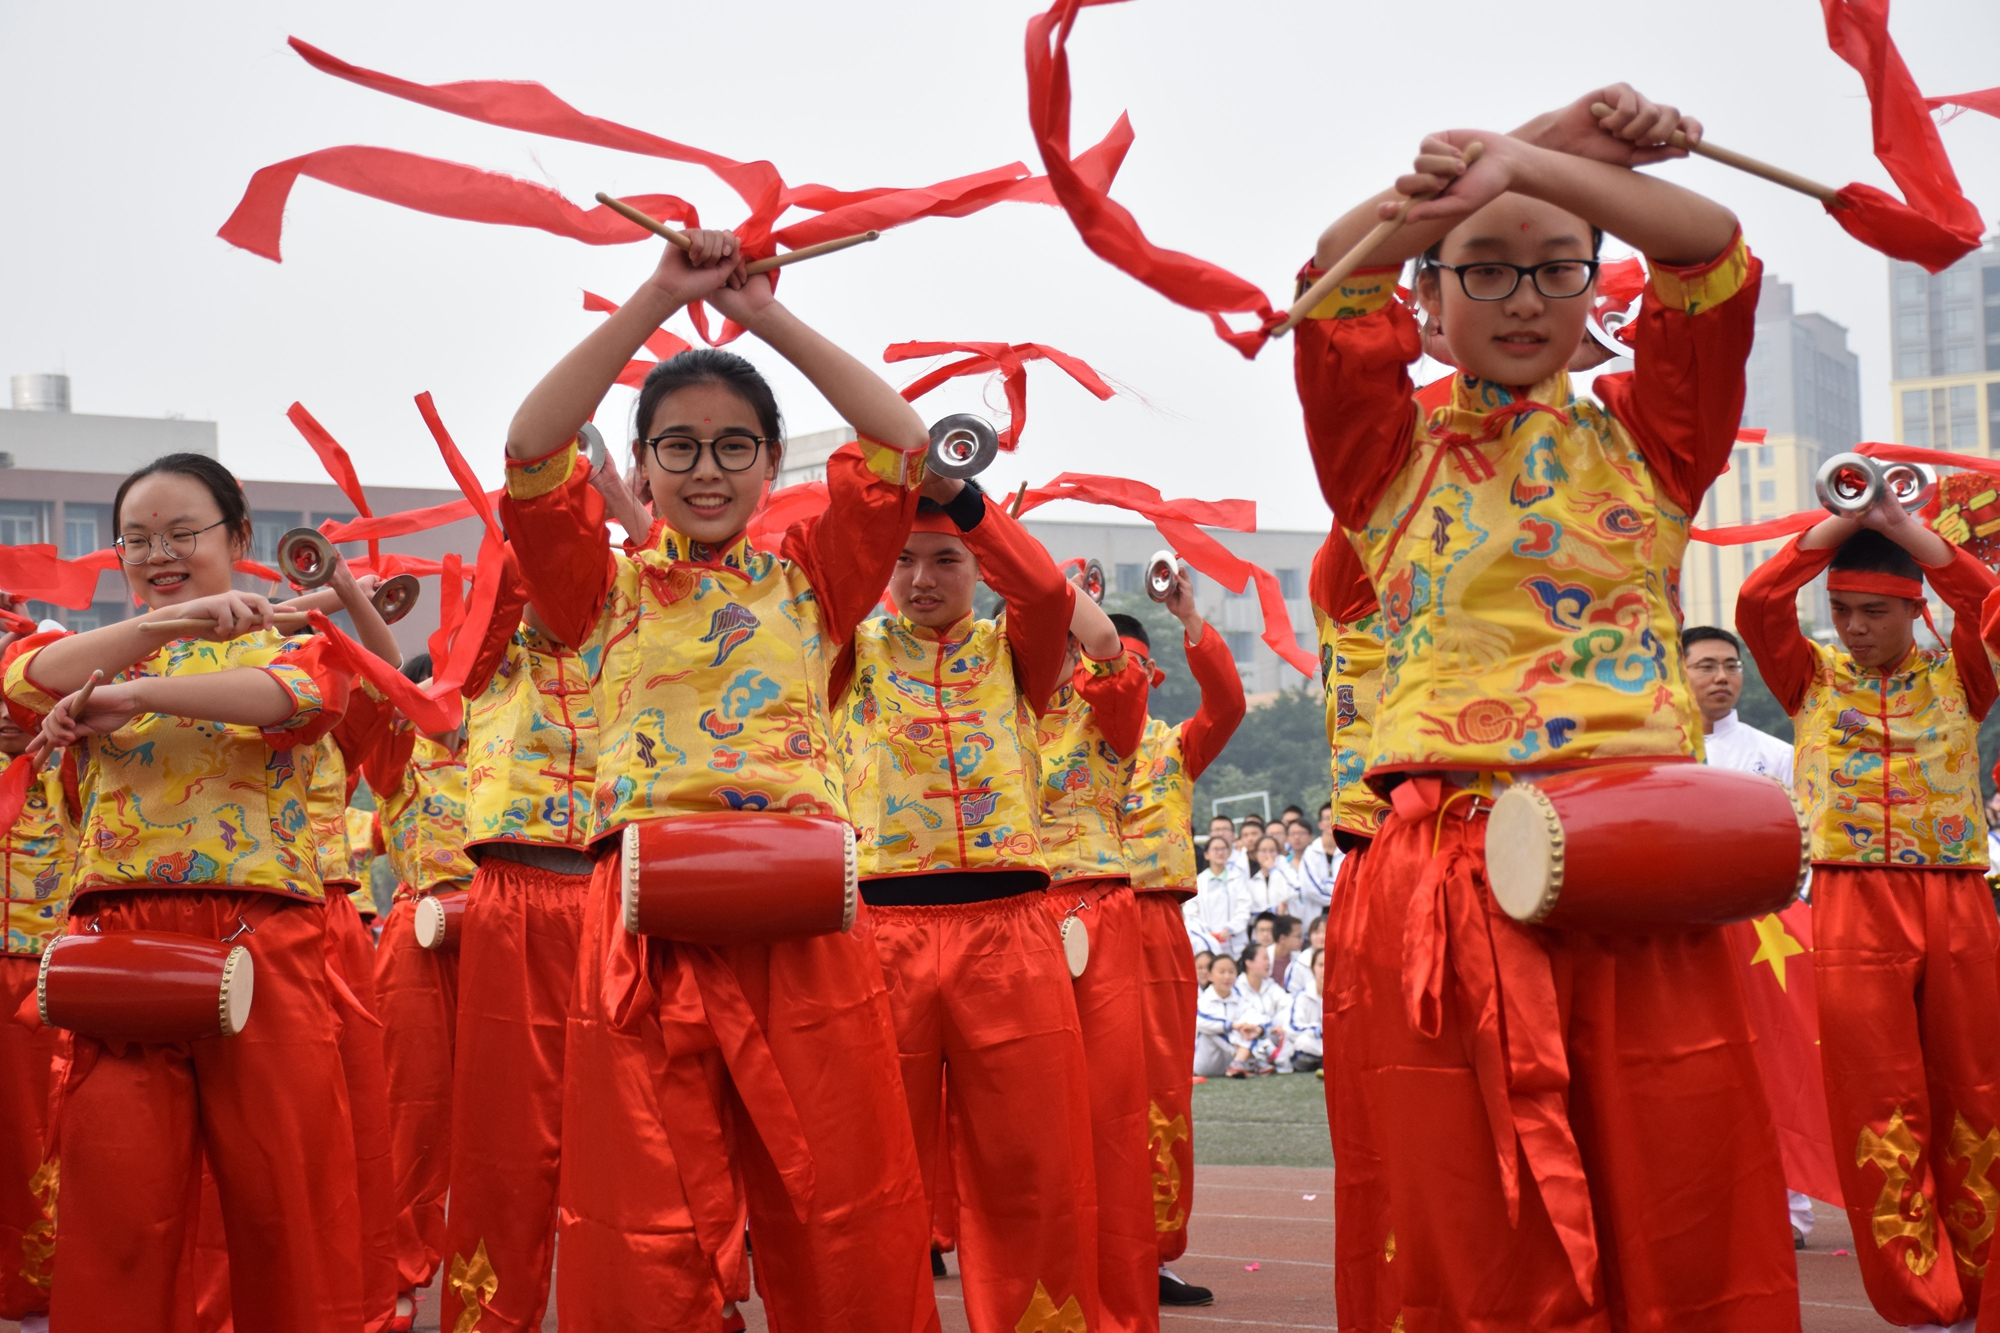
(1526, 337)
(1222, 974)
(1218, 852)
(164, 502)
(1878, 631)
(934, 580)
(707, 503)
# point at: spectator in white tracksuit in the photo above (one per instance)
(1217, 1012)
(1258, 1035)
(1301, 1025)
(1219, 912)
(1300, 974)
(1318, 867)
(1270, 885)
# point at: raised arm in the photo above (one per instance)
(1767, 616)
(1204, 735)
(1040, 601)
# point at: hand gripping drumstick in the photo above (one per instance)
(1826, 194)
(182, 624)
(38, 746)
(1350, 261)
(679, 238)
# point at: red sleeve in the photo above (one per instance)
(500, 628)
(1117, 700)
(375, 844)
(332, 681)
(555, 521)
(67, 774)
(1039, 600)
(848, 551)
(1352, 368)
(1683, 399)
(1204, 735)
(1340, 586)
(388, 764)
(1964, 584)
(1767, 616)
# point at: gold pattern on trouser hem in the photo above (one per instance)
(38, 1242)
(476, 1284)
(1397, 1327)
(1896, 1154)
(1043, 1316)
(1162, 1135)
(1389, 1249)
(1970, 1220)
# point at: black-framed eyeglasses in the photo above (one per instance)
(174, 543)
(733, 451)
(1493, 280)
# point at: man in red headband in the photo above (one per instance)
(1905, 937)
(1159, 854)
(936, 732)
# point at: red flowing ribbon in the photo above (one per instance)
(663, 345)
(1108, 228)
(14, 782)
(430, 713)
(403, 524)
(337, 463)
(1010, 360)
(1177, 520)
(1987, 100)
(780, 510)
(36, 573)
(1938, 225)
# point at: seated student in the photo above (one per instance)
(1300, 1023)
(1202, 961)
(1263, 929)
(1219, 912)
(1287, 934)
(1243, 855)
(1307, 958)
(1270, 888)
(1216, 1014)
(1318, 865)
(1221, 827)
(1255, 1032)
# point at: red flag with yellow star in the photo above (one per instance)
(1776, 953)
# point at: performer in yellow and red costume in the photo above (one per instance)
(711, 666)
(1525, 546)
(936, 732)
(195, 761)
(1906, 947)
(1158, 833)
(39, 809)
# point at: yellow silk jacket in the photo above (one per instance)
(1350, 672)
(1526, 544)
(173, 802)
(423, 822)
(361, 837)
(1084, 778)
(531, 752)
(326, 809)
(35, 859)
(939, 751)
(1159, 806)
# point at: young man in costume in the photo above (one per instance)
(1904, 933)
(1524, 545)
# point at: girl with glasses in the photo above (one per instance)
(711, 663)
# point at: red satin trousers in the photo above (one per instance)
(27, 1188)
(416, 993)
(1167, 996)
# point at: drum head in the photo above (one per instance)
(629, 880)
(428, 922)
(1076, 945)
(1524, 853)
(239, 985)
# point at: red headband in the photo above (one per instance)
(936, 520)
(1888, 585)
(1142, 653)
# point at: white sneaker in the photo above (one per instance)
(35, 1323)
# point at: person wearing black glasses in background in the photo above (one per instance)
(1715, 669)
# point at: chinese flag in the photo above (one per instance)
(1776, 954)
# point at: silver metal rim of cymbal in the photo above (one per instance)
(397, 597)
(306, 557)
(962, 446)
(1848, 484)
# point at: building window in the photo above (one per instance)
(1767, 492)
(1129, 577)
(266, 526)
(1993, 405)
(1249, 591)
(86, 528)
(1288, 583)
(1917, 418)
(1241, 643)
(1958, 322)
(1958, 284)
(1965, 418)
(1910, 288)
(1910, 326)
(1961, 360)
(1763, 455)
(22, 522)
(1912, 365)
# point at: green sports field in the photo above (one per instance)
(1278, 1120)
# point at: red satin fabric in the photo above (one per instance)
(980, 992)
(1364, 1269)
(1905, 964)
(517, 970)
(662, 344)
(268, 1108)
(27, 1227)
(1111, 1012)
(1010, 361)
(1167, 998)
(351, 954)
(1784, 1013)
(1987, 100)
(37, 573)
(684, 1075)
(1646, 1179)
(416, 994)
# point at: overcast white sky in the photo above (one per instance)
(131, 130)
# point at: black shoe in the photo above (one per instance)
(1173, 1291)
(937, 1263)
(1798, 1239)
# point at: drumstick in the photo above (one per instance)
(1350, 261)
(680, 238)
(181, 624)
(39, 747)
(1020, 497)
(1826, 194)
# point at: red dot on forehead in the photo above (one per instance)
(1524, 226)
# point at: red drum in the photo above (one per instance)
(439, 922)
(739, 878)
(1644, 847)
(145, 985)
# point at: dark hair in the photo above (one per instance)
(220, 481)
(1321, 920)
(1298, 810)
(1266, 915)
(1129, 627)
(1250, 952)
(711, 365)
(1430, 256)
(415, 669)
(1258, 820)
(1224, 957)
(1695, 634)
(1282, 925)
(1325, 807)
(1869, 552)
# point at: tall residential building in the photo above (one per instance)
(1946, 341)
(1804, 392)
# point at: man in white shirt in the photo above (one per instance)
(1219, 912)
(1715, 670)
(1993, 834)
(1317, 867)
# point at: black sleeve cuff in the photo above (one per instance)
(968, 508)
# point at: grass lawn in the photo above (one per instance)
(1279, 1120)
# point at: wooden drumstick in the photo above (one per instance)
(1826, 194)
(183, 624)
(83, 695)
(1350, 261)
(1020, 498)
(680, 238)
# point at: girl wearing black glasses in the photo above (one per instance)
(712, 664)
